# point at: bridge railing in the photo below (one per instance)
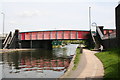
(100, 33)
(9, 35)
(13, 43)
(109, 35)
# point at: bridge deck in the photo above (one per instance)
(54, 35)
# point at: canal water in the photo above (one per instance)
(37, 64)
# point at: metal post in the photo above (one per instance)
(109, 45)
(90, 18)
(93, 25)
(81, 48)
(2, 42)
(31, 44)
(3, 23)
(90, 25)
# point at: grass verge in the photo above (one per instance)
(111, 63)
(77, 58)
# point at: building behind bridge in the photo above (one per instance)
(117, 11)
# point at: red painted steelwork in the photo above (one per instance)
(22, 36)
(82, 35)
(109, 31)
(73, 35)
(66, 35)
(49, 35)
(40, 35)
(53, 35)
(27, 36)
(34, 36)
(59, 34)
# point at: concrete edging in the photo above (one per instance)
(69, 68)
(13, 50)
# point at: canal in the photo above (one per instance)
(38, 63)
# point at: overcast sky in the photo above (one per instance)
(35, 15)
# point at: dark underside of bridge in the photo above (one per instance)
(45, 44)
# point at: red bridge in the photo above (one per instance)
(41, 39)
(54, 35)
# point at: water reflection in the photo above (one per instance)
(36, 64)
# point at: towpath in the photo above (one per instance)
(89, 67)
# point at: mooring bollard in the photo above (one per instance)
(81, 49)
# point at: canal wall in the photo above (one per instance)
(75, 73)
(71, 65)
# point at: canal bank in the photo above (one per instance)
(89, 67)
(13, 50)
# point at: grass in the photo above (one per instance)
(77, 58)
(111, 63)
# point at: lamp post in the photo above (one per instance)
(90, 44)
(90, 18)
(96, 44)
(3, 36)
(3, 23)
(93, 25)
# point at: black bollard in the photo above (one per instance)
(81, 49)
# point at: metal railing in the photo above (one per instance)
(100, 33)
(10, 40)
(7, 38)
(6, 41)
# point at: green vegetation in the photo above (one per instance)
(89, 42)
(77, 58)
(73, 41)
(57, 42)
(60, 43)
(111, 62)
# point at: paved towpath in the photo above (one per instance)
(89, 67)
(94, 67)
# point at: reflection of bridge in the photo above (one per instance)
(40, 65)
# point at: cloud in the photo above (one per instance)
(31, 13)
(60, 0)
(12, 22)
